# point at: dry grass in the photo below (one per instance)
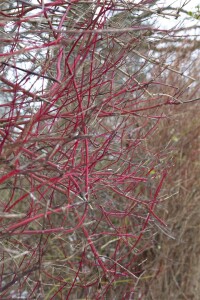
(173, 269)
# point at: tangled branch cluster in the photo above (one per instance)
(79, 184)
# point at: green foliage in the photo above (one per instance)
(196, 14)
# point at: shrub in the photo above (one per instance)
(81, 97)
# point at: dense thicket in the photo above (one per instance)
(84, 85)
